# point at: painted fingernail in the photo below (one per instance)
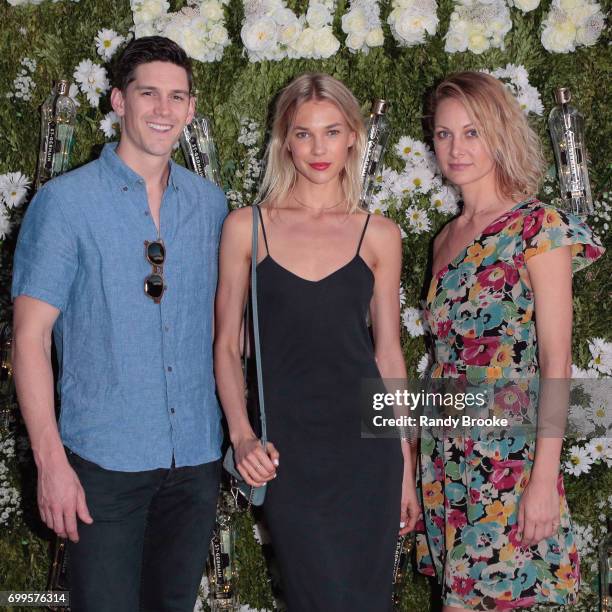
(275, 462)
(402, 524)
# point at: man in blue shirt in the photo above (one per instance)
(119, 259)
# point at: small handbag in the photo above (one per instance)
(254, 495)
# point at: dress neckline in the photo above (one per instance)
(320, 280)
(442, 271)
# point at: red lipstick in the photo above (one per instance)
(320, 166)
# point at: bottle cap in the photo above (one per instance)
(562, 95)
(62, 87)
(379, 107)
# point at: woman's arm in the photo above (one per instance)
(255, 465)
(550, 275)
(385, 246)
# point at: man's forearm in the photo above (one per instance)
(34, 384)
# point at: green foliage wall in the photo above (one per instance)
(59, 35)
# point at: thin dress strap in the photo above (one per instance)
(263, 228)
(365, 227)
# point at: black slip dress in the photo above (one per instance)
(334, 508)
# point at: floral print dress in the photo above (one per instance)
(480, 311)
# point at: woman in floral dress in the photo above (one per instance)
(497, 530)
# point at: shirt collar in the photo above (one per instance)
(124, 174)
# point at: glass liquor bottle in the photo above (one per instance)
(57, 133)
(377, 136)
(199, 149)
(566, 127)
(221, 568)
(605, 570)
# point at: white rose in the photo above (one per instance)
(146, 28)
(455, 41)
(375, 38)
(284, 16)
(148, 10)
(318, 16)
(478, 42)
(325, 43)
(259, 36)
(355, 41)
(211, 10)
(304, 45)
(568, 5)
(410, 28)
(559, 37)
(526, 5)
(581, 14)
(289, 32)
(354, 21)
(218, 35)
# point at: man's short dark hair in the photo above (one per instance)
(145, 50)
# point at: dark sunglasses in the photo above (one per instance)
(154, 286)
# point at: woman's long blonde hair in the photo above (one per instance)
(514, 146)
(280, 176)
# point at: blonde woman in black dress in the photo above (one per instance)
(335, 502)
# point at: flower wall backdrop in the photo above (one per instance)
(244, 52)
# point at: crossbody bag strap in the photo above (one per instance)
(260, 389)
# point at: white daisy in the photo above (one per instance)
(92, 79)
(413, 321)
(579, 462)
(580, 373)
(420, 178)
(601, 353)
(14, 188)
(423, 365)
(107, 42)
(444, 200)
(599, 448)
(417, 219)
(402, 296)
(5, 223)
(411, 150)
(379, 203)
(110, 124)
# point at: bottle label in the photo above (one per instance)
(50, 144)
(199, 159)
(222, 565)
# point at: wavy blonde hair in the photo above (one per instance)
(514, 146)
(280, 176)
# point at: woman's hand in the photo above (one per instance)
(256, 464)
(539, 511)
(410, 509)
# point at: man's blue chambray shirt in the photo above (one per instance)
(136, 377)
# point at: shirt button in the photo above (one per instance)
(166, 328)
(169, 368)
(146, 213)
(124, 188)
(172, 410)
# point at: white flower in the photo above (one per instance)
(423, 365)
(5, 223)
(444, 200)
(420, 179)
(355, 22)
(304, 45)
(524, 5)
(92, 79)
(379, 204)
(145, 11)
(559, 32)
(325, 43)
(73, 92)
(211, 10)
(107, 42)
(318, 16)
(579, 462)
(599, 448)
(375, 37)
(601, 355)
(411, 150)
(289, 31)
(590, 29)
(413, 321)
(580, 373)
(259, 36)
(110, 124)
(402, 296)
(13, 188)
(417, 220)
(410, 20)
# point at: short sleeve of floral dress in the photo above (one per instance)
(480, 312)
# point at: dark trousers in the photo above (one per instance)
(147, 546)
